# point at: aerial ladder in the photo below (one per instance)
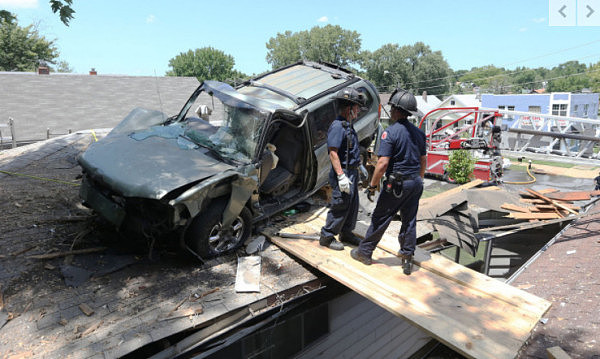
(564, 136)
(468, 128)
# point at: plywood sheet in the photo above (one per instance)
(478, 316)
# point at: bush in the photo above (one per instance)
(460, 166)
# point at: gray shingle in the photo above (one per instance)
(78, 102)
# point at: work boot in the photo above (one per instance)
(407, 260)
(331, 243)
(355, 254)
(350, 239)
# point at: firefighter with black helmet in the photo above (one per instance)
(402, 157)
(344, 153)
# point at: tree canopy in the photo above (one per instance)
(413, 67)
(23, 48)
(329, 43)
(206, 63)
(570, 76)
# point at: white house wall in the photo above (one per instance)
(362, 329)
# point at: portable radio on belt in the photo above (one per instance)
(394, 183)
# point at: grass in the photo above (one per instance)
(539, 162)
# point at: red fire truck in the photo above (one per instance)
(469, 128)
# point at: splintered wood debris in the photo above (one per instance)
(468, 214)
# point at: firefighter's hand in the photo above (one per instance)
(344, 183)
(370, 192)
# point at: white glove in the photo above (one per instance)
(344, 183)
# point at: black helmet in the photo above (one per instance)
(405, 100)
(351, 95)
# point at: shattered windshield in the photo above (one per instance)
(224, 124)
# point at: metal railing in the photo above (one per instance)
(8, 138)
(551, 134)
(11, 128)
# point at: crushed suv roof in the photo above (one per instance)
(296, 83)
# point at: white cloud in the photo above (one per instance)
(20, 4)
(523, 29)
(323, 19)
(539, 20)
(150, 19)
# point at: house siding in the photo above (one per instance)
(580, 100)
(361, 329)
(544, 101)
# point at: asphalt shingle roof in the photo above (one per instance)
(67, 101)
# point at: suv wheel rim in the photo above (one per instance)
(221, 240)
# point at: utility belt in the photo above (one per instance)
(395, 181)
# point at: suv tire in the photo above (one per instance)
(208, 239)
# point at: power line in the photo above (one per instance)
(512, 63)
(532, 82)
(487, 77)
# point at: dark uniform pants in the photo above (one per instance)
(385, 210)
(343, 208)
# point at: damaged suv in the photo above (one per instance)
(229, 158)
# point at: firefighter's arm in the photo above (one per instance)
(380, 167)
(423, 166)
(335, 161)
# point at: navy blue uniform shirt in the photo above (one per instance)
(404, 143)
(337, 137)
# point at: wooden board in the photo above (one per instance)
(541, 196)
(534, 215)
(515, 208)
(573, 196)
(478, 316)
(548, 190)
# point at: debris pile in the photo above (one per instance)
(548, 203)
(469, 215)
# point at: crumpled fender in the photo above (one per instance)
(240, 187)
(241, 190)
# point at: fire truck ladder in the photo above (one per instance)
(550, 134)
(466, 127)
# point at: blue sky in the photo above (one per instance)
(133, 37)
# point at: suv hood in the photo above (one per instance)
(148, 164)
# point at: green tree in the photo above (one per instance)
(206, 63)
(284, 49)
(23, 48)
(489, 78)
(568, 77)
(413, 67)
(7, 16)
(329, 43)
(63, 67)
(594, 76)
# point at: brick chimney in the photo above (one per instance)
(43, 70)
(93, 72)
